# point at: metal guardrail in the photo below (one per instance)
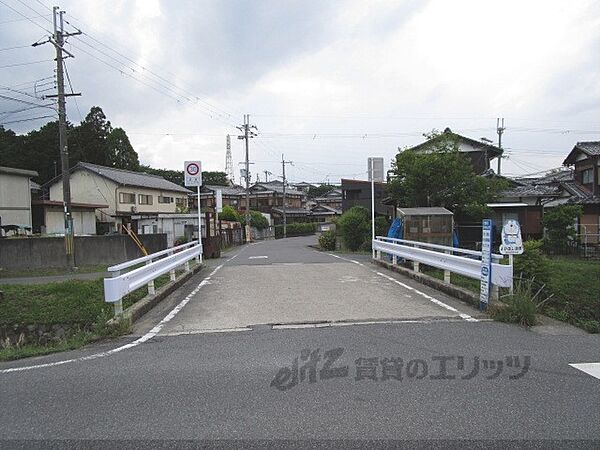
(119, 285)
(430, 254)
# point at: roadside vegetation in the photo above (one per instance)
(76, 305)
(49, 271)
(296, 229)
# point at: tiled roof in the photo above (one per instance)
(590, 148)
(493, 151)
(532, 190)
(130, 178)
(425, 211)
(276, 187)
(226, 190)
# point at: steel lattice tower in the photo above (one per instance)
(229, 162)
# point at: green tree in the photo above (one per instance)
(257, 220)
(215, 179)
(442, 177)
(120, 152)
(90, 139)
(229, 213)
(560, 224)
(355, 227)
(319, 191)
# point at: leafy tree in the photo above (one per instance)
(120, 152)
(229, 213)
(257, 220)
(215, 178)
(355, 227)
(560, 224)
(319, 191)
(91, 138)
(174, 176)
(442, 177)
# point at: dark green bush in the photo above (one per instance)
(327, 241)
(532, 263)
(355, 227)
(229, 213)
(257, 220)
(296, 229)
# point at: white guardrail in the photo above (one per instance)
(450, 259)
(156, 264)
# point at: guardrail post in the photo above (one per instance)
(495, 292)
(172, 275)
(377, 254)
(186, 266)
(118, 305)
(151, 290)
(447, 274)
(394, 259)
(416, 266)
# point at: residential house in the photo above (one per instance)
(358, 193)
(49, 217)
(317, 213)
(15, 199)
(303, 186)
(332, 199)
(208, 196)
(124, 192)
(479, 153)
(266, 196)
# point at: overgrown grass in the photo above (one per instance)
(520, 308)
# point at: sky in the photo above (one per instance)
(327, 84)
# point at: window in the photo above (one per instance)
(144, 199)
(180, 201)
(587, 176)
(126, 197)
(162, 199)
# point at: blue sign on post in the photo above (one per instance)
(486, 263)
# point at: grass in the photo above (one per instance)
(50, 271)
(79, 303)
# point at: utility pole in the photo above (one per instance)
(267, 173)
(58, 40)
(500, 130)
(283, 163)
(248, 134)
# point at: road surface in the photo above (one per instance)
(280, 344)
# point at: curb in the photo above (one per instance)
(450, 289)
(141, 307)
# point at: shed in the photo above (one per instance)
(433, 224)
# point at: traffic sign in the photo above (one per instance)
(486, 263)
(192, 171)
(219, 198)
(512, 242)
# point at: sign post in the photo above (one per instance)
(486, 263)
(192, 173)
(512, 242)
(375, 174)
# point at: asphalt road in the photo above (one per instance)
(226, 366)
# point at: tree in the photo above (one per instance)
(90, 139)
(257, 220)
(215, 179)
(560, 224)
(319, 191)
(229, 213)
(443, 177)
(120, 152)
(174, 176)
(355, 227)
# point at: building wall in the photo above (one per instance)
(359, 194)
(15, 199)
(84, 222)
(155, 207)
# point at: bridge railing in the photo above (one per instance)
(156, 264)
(449, 259)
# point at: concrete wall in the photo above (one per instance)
(33, 253)
(84, 222)
(15, 199)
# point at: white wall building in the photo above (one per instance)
(15, 196)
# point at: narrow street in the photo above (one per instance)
(358, 356)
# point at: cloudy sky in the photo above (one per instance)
(326, 83)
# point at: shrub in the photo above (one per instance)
(257, 220)
(382, 225)
(520, 308)
(229, 213)
(296, 229)
(532, 263)
(355, 227)
(327, 241)
(559, 223)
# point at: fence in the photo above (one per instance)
(156, 264)
(450, 259)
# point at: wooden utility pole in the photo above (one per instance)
(500, 130)
(283, 163)
(248, 134)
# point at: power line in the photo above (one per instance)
(27, 120)
(26, 63)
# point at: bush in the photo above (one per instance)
(257, 220)
(520, 308)
(355, 227)
(229, 214)
(559, 223)
(327, 241)
(532, 263)
(296, 229)
(382, 226)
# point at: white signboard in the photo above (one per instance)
(219, 197)
(192, 172)
(486, 263)
(512, 243)
(377, 169)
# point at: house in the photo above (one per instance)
(49, 217)
(317, 213)
(358, 193)
(15, 199)
(208, 196)
(332, 199)
(479, 153)
(123, 192)
(303, 186)
(266, 196)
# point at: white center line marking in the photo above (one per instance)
(592, 369)
(258, 257)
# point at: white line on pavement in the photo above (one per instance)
(466, 317)
(258, 257)
(592, 369)
(149, 335)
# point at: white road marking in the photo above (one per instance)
(466, 317)
(295, 326)
(592, 369)
(149, 335)
(258, 257)
(207, 330)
